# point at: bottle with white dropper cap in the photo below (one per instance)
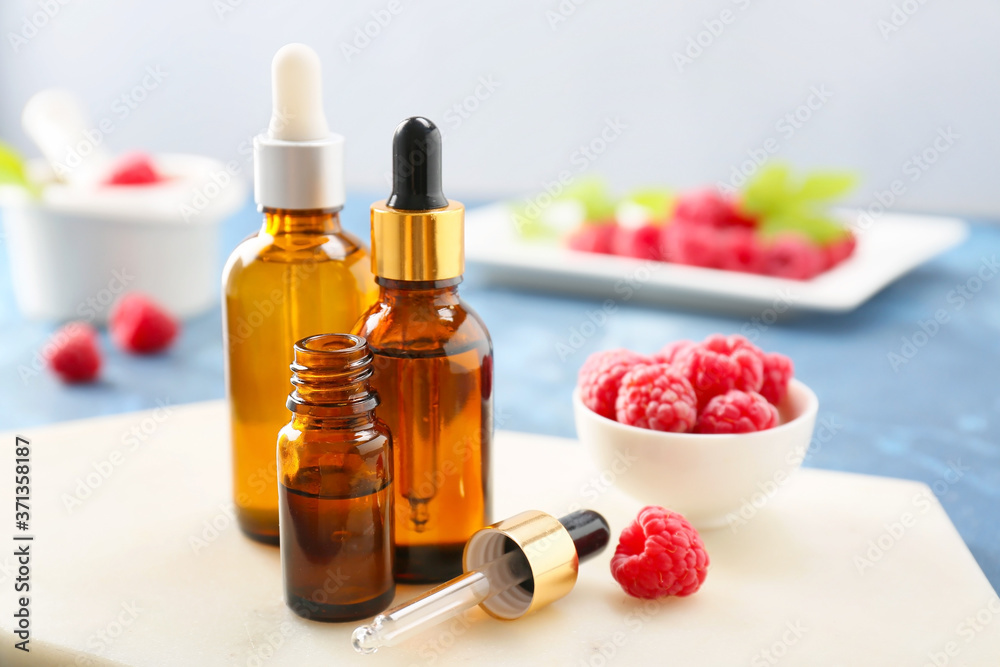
(300, 275)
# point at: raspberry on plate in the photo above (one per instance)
(134, 169)
(740, 250)
(837, 252)
(593, 238)
(721, 363)
(656, 397)
(600, 376)
(642, 242)
(139, 325)
(659, 554)
(778, 370)
(76, 357)
(710, 208)
(737, 412)
(692, 245)
(792, 256)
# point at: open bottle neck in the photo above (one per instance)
(283, 221)
(331, 379)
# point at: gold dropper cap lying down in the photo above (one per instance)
(512, 567)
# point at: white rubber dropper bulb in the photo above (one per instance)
(297, 95)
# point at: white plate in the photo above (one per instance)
(887, 249)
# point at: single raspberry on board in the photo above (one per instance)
(139, 325)
(721, 363)
(737, 412)
(656, 397)
(659, 554)
(75, 356)
(593, 238)
(134, 169)
(644, 242)
(601, 375)
(778, 370)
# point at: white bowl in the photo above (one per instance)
(74, 250)
(710, 479)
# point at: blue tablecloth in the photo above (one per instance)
(933, 417)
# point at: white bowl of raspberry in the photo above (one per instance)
(713, 479)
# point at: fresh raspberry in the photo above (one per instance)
(778, 370)
(593, 238)
(659, 554)
(721, 363)
(710, 208)
(691, 245)
(643, 242)
(134, 169)
(739, 250)
(601, 375)
(75, 357)
(672, 352)
(656, 397)
(837, 252)
(139, 325)
(792, 256)
(737, 412)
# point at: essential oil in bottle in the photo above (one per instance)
(335, 492)
(433, 363)
(301, 274)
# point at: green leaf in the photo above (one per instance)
(13, 172)
(592, 193)
(818, 228)
(827, 185)
(530, 227)
(768, 190)
(660, 203)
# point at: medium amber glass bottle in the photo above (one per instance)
(301, 274)
(433, 364)
(335, 493)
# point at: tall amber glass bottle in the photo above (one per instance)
(335, 492)
(433, 363)
(301, 274)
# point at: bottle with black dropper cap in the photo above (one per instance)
(433, 363)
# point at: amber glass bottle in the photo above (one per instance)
(335, 492)
(300, 275)
(433, 364)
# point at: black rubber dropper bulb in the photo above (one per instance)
(416, 166)
(590, 532)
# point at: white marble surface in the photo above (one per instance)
(123, 579)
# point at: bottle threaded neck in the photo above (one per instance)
(330, 376)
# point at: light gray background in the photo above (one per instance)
(558, 83)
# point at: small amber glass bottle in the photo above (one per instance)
(335, 491)
(433, 363)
